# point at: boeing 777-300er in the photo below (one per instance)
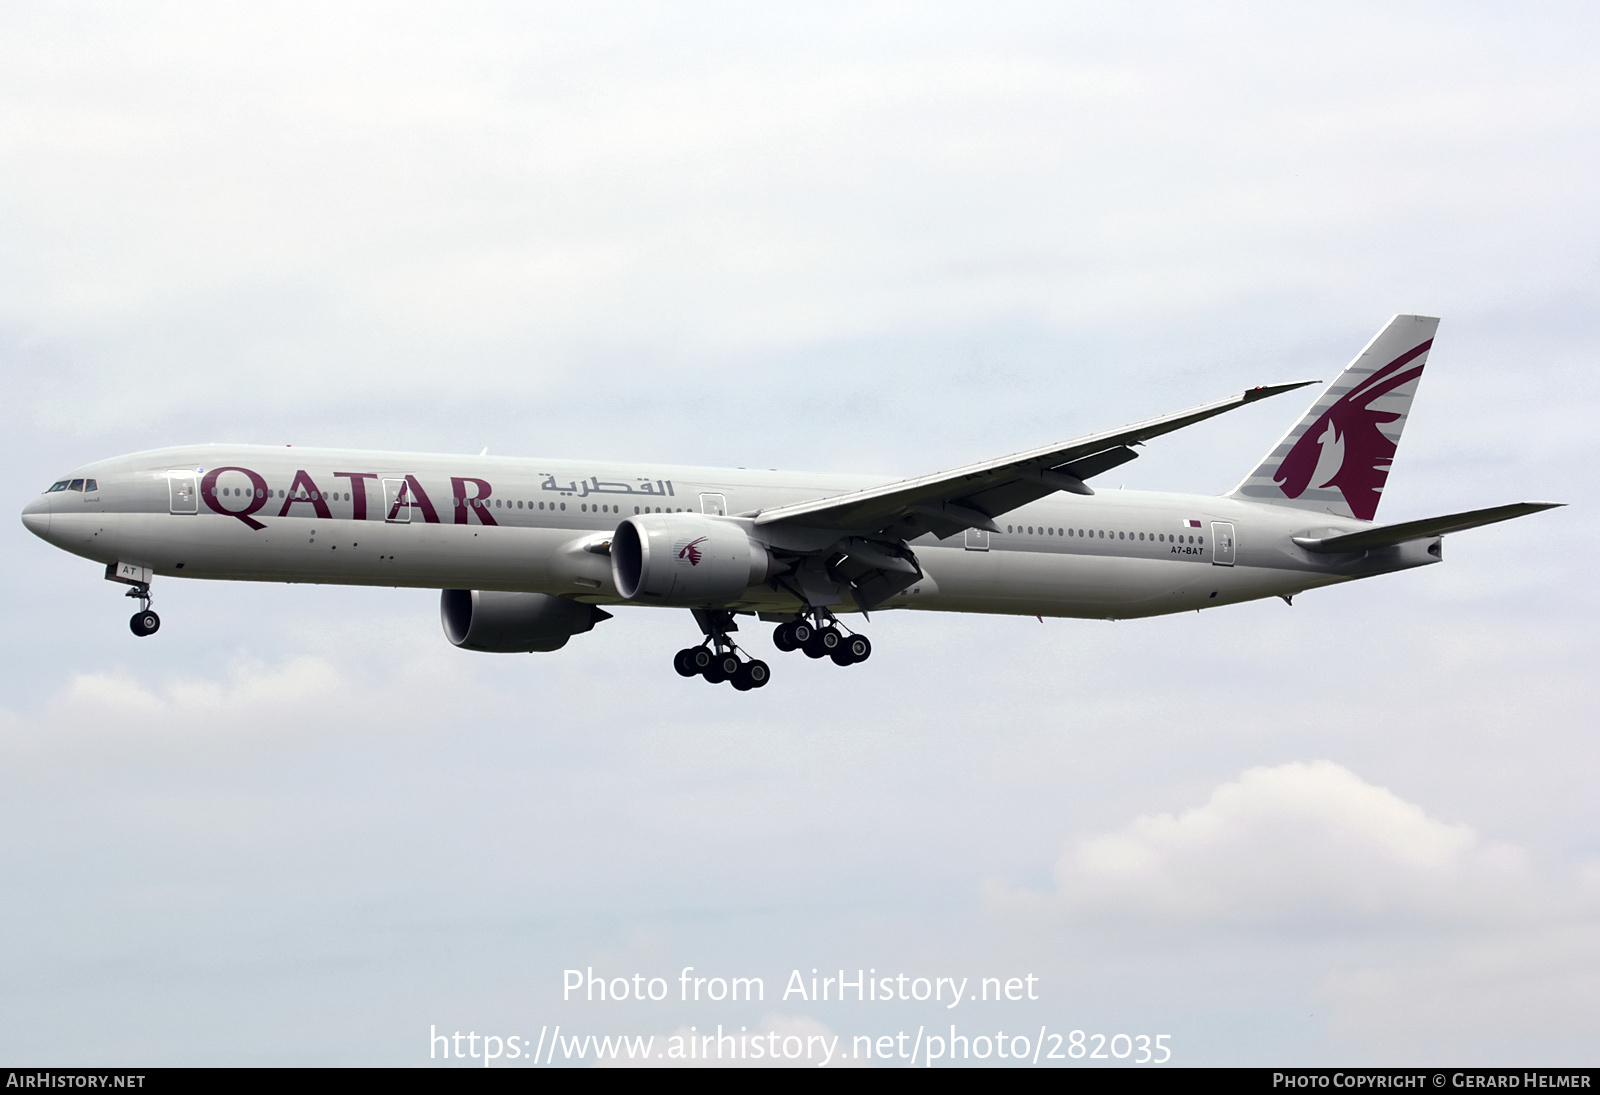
(526, 552)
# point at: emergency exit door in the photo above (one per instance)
(396, 503)
(1222, 543)
(183, 496)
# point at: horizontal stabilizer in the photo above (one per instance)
(1389, 535)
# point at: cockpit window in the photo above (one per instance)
(90, 486)
(76, 484)
(59, 486)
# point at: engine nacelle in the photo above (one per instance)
(685, 559)
(513, 623)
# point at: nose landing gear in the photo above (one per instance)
(144, 622)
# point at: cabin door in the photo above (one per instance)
(1222, 543)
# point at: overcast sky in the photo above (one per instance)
(297, 826)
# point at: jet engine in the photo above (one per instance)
(510, 623)
(685, 558)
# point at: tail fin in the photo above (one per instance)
(1336, 459)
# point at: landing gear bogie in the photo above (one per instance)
(822, 638)
(717, 659)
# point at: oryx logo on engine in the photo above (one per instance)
(689, 552)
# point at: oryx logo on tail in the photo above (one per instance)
(1337, 458)
(1344, 448)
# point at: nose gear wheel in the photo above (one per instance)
(144, 622)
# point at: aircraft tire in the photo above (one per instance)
(783, 637)
(758, 673)
(723, 668)
(858, 648)
(824, 643)
(144, 623)
(683, 662)
(801, 633)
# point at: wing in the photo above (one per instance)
(971, 497)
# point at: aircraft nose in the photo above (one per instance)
(36, 516)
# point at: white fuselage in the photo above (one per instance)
(355, 517)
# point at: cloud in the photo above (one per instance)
(247, 683)
(1302, 846)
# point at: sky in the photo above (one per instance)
(298, 827)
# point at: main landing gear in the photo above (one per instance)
(717, 659)
(717, 663)
(144, 622)
(821, 637)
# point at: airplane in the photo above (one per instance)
(530, 552)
